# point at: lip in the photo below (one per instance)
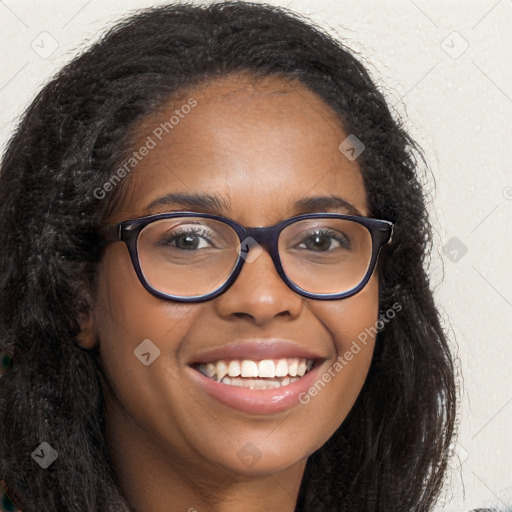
(255, 349)
(257, 401)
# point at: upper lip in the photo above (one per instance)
(256, 348)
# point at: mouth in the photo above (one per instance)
(256, 394)
(256, 374)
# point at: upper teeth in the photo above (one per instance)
(266, 368)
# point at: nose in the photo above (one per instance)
(259, 294)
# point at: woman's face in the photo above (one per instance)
(259, 147)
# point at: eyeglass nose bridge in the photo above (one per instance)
(266, 237)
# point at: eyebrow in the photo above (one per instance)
(204, 201)
(215, 204)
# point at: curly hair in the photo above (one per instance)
(391, 451)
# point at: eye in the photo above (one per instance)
(188, 239)
(326, 239)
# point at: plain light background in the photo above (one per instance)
(445, 66)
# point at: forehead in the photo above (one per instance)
(261, 145)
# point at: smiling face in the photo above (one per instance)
(260, 147)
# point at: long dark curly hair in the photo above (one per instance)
(390, 453)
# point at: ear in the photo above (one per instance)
(87, 338)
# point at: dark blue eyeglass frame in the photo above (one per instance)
(128, 231)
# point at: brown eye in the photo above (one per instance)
(187, 238)
(324, 240)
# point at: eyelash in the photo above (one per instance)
(174, 235)
(204, 233)
(343, 240)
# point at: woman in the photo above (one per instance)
(212, 281)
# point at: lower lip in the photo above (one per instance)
(256, 401)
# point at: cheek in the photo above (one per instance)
(351, 323)
(127, 309)
(347, 320)
(131, 322)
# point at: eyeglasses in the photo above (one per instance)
(194, 257)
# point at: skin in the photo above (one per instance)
(261, 145)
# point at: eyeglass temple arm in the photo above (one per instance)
(391, 231)
(110, 232)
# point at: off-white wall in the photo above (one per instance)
(459, 106)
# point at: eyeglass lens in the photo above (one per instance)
(192, 256)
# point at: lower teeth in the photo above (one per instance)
(258, 383)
